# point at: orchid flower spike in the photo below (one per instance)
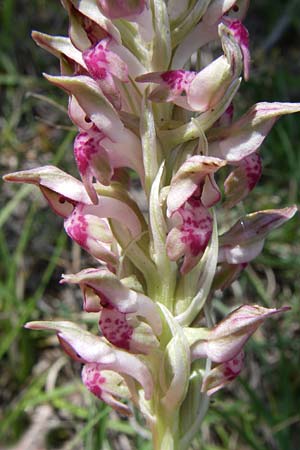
(165, 168)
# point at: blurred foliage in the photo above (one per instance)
(40, 390)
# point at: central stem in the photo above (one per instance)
(165, 430)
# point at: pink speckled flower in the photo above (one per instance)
(84, 222)
(203, 90)
(192, 191)
(121, 310)
(190, 233)
(89, 349)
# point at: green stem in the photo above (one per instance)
(165, 433)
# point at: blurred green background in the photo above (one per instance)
(43, 405)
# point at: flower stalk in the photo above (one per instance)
(142, 106)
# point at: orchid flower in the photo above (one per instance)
(120, 307)
(226, 340)
(203, 89)
(143, 109)
(245, 240)
(84, 222)
(192, 191)
(97, 354)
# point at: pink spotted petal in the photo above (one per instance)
(189, 237)
(126, 332)
(92, 161)
(100, 60)
(171, 84)
(222, 374)
(242, 180)
(106, 385)
(103, 65)
(92, 234)
(115, 328)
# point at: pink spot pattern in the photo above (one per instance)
(86, 145)
(196, 228)
(76, 227)
(96, 61)
(178, 80)
(93, 379)
(103, 65)
(191, 232)
(115, 328)
(232, 368)
(243, 179)
(253, 169)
